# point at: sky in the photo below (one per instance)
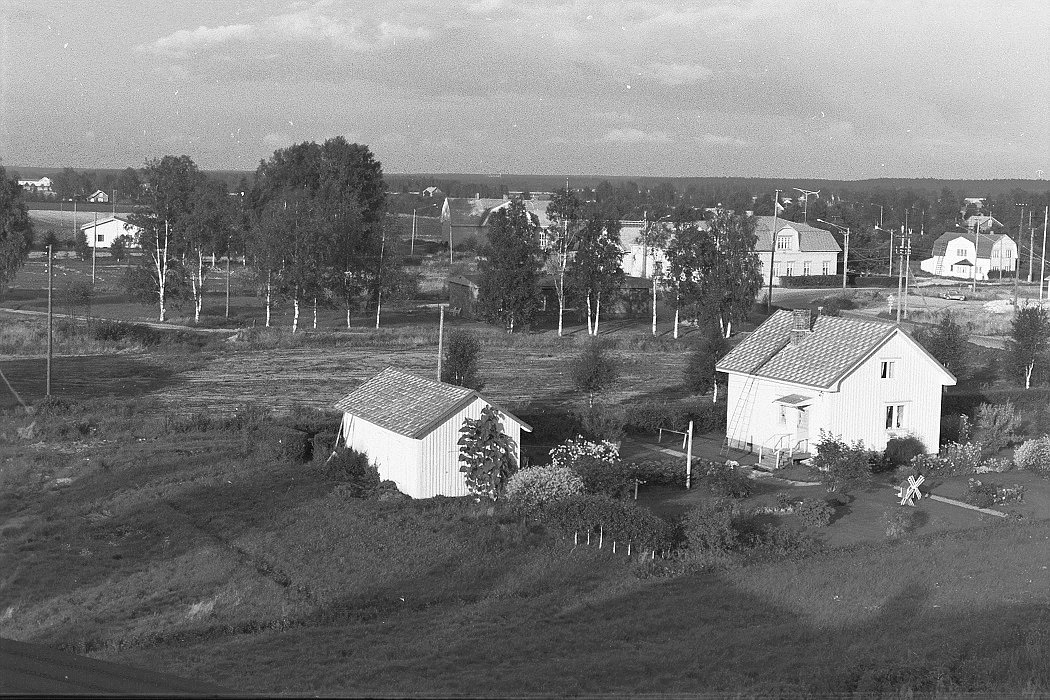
(845, 89)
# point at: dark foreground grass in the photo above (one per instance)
(196, 554)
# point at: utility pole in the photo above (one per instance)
(1042, 257)
(976, 252)
(772, 252)
(229, 252)
(890, 272)
(900, 280)
(50, 317)
(907, 274)
(689, 451)
(1031, 245)
(441, 336)
(94, 246)
(1017, 266)
(845, 260)
(379, 277)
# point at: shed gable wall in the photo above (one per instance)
(396, 456)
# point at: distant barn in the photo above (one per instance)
(409, 428)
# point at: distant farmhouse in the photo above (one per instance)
(41, 187)
(98, 197)
(409, 428)
(960, 253)
(976, 202)
(432, 192)
(463, 295)
(102, 233)
(464, 220)
(983, 223)
(797, 375)
(800, 249)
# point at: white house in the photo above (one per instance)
(40, 187)
(103, 232)
(956, 253)
(640, 258)
(464, 219)
(800, 249)
(861, 380)
(984, 222)
(409, 428)
(98, 197)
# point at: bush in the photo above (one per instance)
(616, 520)
(963, 459)
(593, 369)
(998, 424)
(532, 488)
(601, 478)
(708, 528)
(649, 416)
(987, 494)
(357, 477)
(844, 465)
(901, 451)
(119, 331)
(289, 443)
(700, 376)
(724, 480)
(460, 366)
(1034, 455)
(815, 512)
(807, 281)
(665, 472)
(322, 446)
(601, 422)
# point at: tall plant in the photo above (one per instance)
(488, 454)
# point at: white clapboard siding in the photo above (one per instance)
(395, 456)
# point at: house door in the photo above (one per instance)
(802, 428)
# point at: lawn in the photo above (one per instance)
(201, 555)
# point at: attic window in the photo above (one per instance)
(783, 242)
(886, 369)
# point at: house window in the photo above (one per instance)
(783, 242)
(803, 418)
(805, 267)
(826, 268)
(895, 416)
(101, 238)
(783, 415)
(886, 369)
(789, 269)
(961, 252)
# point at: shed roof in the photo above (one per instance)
(810, 238)
(118, 217)
(408, 404)
(984, 246)
(828, 353)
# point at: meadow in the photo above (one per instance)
(199, 552)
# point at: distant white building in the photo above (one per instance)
(38, 187)
(102, 233)
(800, 249)
(957, 253)
(98, 197)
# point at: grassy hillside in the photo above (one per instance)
(141, 540)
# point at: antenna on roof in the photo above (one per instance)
(805, 202)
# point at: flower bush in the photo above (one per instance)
(1034, 455)
(570, 452)
(668, 472)
(598, 464)
(965, 458)
(724, 480)
(815, 512)
(986, 494)
(998, 424)
(844, 465)
(616, 520)
(533, 487)
(708, 528)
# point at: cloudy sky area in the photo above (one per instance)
(808, 88)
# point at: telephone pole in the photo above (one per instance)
(50, 317)
(772, 253)
(441, 336)
(904, 248)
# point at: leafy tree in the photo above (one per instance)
(595, 269)
(16, 230)
(206, 232)
(593, 369)
(488, 454)
(172, 182)
(119, 248)
(700, 375)
(51, 239)
(508, 291)
(1030, 341)
(947, 343)
(688, 250)
(566, 215)
(80, 245)
(733, 277)
(128, 184)
(460, 364)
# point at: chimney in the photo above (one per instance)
(801, 325)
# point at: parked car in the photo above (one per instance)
(953, 296)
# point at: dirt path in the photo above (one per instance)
(151, 324)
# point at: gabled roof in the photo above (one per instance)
(825, 356)
(985, 245)
(408, 404)
(985, 221)
(118, 217)
(465, 280)
(810, 239)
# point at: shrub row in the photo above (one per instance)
(807, 281)
(873, 281)
(651, 415)
(614, 519)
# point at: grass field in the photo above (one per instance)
(199, 555)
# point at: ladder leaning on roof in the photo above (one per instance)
(742, 411)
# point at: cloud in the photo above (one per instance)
(719, 140)
(635, 136)
(675, 74)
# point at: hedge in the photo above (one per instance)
(649, 416)
(811, 281)
(874, 281)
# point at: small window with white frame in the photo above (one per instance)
(887, 369)
(895, 416)
(805, 267)
(783, 414)
(826, 268)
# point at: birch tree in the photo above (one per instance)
(566, 216)
(1030, 341)
(508, 292)
(596, 270)
(207, 232)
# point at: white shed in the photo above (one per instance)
(409, 428)
(103, 232)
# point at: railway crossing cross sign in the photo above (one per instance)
(909, 493)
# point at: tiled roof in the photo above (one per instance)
(810, 239)
(408, 404)
(984, 245)
(833, 347)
